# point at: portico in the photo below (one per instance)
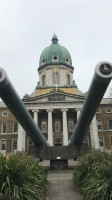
(57, 125)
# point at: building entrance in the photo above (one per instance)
(57, 141)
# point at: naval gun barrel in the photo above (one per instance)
(18, 109)
(101, 79)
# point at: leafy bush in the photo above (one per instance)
(22, 177)
(93, 176)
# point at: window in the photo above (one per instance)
(56, 79)
(5, 114)
(14, 144)
(101, 141)
(44, 126)
(57, 140)
(110, 123)
(3, 144)
(68, 79)
(57, 126)
(4, 127)
(67, 60)
(99, 124)
(70, 125)
(98, 110)
(108, 110)
(44, 80)
(55, 57)
(43, 61)
(15, 127)
(30, 143)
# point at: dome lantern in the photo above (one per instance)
(54, 39)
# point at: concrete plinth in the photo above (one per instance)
(59, 164)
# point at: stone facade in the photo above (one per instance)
(56, 123)
(8, 131)
(49, 72)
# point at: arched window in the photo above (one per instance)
(68, 79)
(43, 80)
(56, 78)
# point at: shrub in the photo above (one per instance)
(93, 176)
(22, 177)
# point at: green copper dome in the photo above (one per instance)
(55, 54)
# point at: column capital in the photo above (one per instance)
(64, 109)
(49, 110)
(78, 109)
(35, 110)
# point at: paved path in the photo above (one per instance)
(60, 186)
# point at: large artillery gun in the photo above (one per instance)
(10, 97)
(99, 84)
(101, 79)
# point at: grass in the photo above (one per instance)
(22, 177)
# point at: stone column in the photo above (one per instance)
(94, 134)
(50, 129)
(21, 139)
(65, 130)
(35, 116)
(78, 113)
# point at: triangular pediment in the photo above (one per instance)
(55, 97)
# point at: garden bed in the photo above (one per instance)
(22, 178)
(93, 176)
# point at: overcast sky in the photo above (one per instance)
(84, 27)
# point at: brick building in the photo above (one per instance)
(55, 106)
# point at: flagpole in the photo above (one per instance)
(55, 78)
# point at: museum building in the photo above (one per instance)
(55, 106)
